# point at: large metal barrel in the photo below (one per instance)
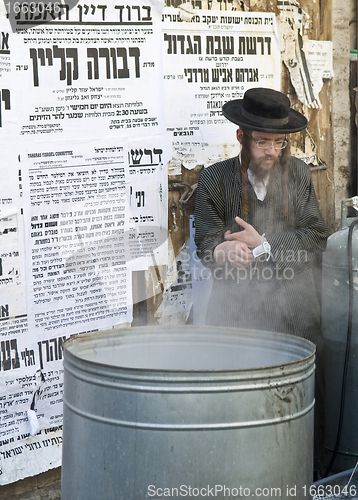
(192, 412)
(335, 313)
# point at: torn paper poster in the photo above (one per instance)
(84, 75)
(303, 67)
(188, 294)
(202, 281)
(319, 55)
(23, 457)
(212, 59)
(178, 297)
(188, 9)
(97, 211)
(33, 422)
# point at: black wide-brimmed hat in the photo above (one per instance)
(264, 110)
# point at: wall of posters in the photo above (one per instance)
(84, 202)
(94, 102)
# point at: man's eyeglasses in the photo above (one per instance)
(266, 144)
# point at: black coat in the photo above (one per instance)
(275, 295)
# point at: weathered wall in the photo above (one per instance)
(326, 139)
(328, 135)
(45, 486)
(340, 101)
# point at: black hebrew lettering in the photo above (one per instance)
(4, 41)
(116, 62)
(125, 14)
(176, 18)
(220, 45)
(12, 453)
(187, 45)
(5, 98)
(53, 350)
(149, 152)
(196, 4)
(53, 441)
(214, 104)
(86, 10)
(211, 19)
(136, 156)
(247, 74)
(158, 152)
(69, 69)
(182, 133)
(140, 197)
(231, 19)
(32, 14)
(4, 310)
(249, 45)
(9, 357)
(253, 20)
(225, 74)
(193, 75)
(28, 357)
(40, 12)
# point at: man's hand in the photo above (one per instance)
(249, 235)
(236, 253)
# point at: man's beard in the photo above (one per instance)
(258, 171)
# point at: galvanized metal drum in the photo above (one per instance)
(172, 412)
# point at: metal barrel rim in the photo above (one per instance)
(303, 349)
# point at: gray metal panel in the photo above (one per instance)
(335, 312)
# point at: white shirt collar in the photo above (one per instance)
(259, 185)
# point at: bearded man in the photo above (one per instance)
(262, 198)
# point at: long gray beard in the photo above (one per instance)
(259, 172)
